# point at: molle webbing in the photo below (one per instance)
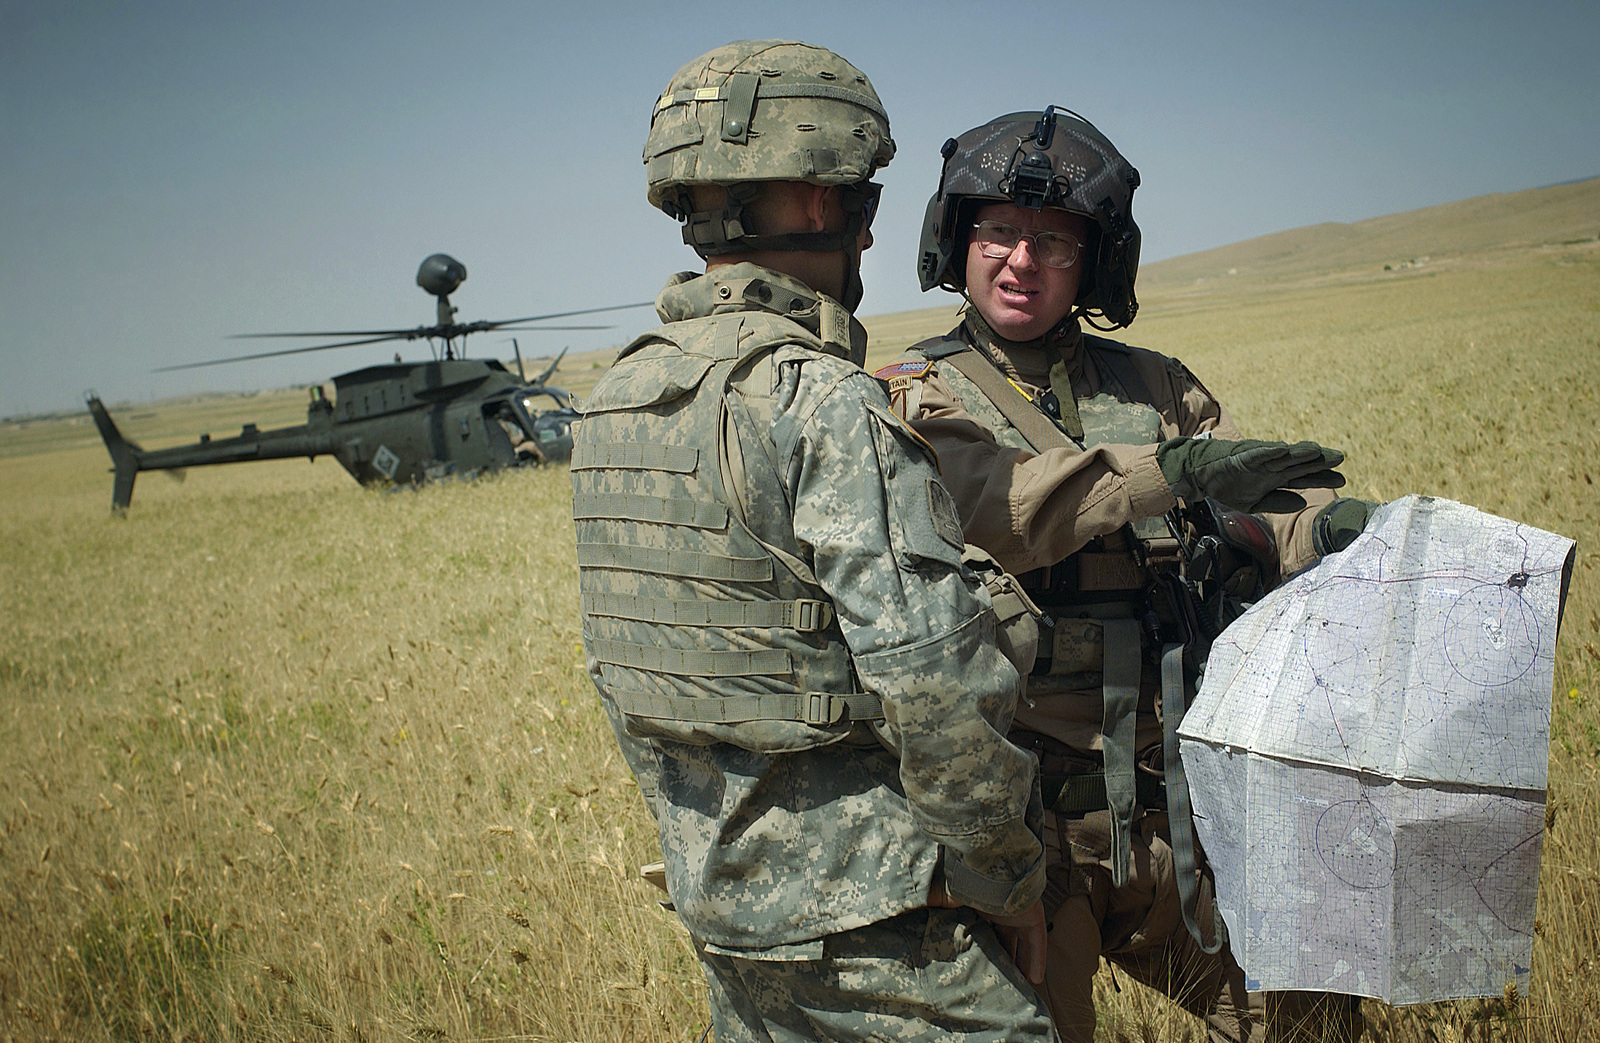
(674, 458)
(815, 708)
(649, 509)
(802, 614)
(691, 662)
(690, 608)
(658, 510)
(688, 564)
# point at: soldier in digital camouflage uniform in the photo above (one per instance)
(1064, 451)
(801, 674)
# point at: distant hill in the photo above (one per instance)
(1509, 220)
(1464, 232)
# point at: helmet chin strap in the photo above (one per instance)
(1073, 315)
(718, 232)
(853, 289)
(726, 230)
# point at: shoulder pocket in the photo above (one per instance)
(923, 520)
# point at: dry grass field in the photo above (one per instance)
(283, 759)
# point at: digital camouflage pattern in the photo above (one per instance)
(765, 110)
(924, 976)
(778, 832)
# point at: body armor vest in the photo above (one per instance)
(1111, 572)
(706, 622)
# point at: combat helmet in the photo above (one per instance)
(764, 110)
(1053, 158)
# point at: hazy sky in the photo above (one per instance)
(176, 172)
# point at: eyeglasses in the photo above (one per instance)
(867, 192)
(997, 240)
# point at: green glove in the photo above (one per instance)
(1337, 525)
(1241, 473)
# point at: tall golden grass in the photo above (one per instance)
(285, 759)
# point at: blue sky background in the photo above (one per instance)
(174, 172)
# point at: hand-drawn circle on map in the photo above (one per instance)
(1355, 844)
(1491, 637)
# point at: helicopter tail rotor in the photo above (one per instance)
(550, 370)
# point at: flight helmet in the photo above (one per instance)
(1053, 158)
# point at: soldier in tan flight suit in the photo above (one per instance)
(1064, 452)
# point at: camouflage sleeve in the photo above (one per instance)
(886, 545)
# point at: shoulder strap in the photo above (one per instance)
(1039, 430)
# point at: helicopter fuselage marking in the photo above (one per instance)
(385, 461)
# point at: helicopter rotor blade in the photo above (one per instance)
(550, 370)
(581, 311)
(272, 354)
(444, 331)
(408, 331)
(452, 330)
(536, 329)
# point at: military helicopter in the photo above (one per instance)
(400, 422)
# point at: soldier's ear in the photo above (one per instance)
(820, 205)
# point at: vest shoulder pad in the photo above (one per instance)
(940, 347)
(1176, 368)
(653, 369)
(1106, 344)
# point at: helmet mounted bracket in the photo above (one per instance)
(1030, 181)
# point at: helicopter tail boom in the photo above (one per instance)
(128, 459)
(124, 454)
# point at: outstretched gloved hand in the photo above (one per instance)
(1240, 473)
